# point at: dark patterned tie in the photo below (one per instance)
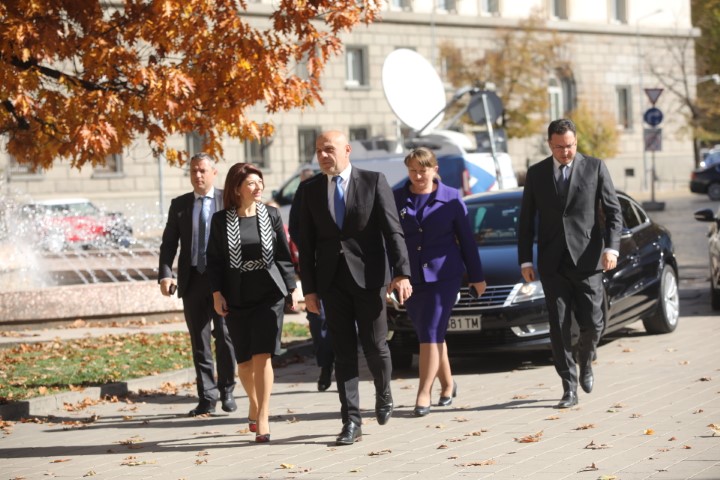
(339, 201)
(202, 237)
(562, 181)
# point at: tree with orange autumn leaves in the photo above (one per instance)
(83, 79)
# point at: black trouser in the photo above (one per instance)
(347, 305)
(568, 293)
(200, 318)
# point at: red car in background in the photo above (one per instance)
(56, 225)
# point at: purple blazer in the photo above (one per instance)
(442, 245)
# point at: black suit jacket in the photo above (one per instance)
(587, 222)
(371, 235)
(229, 281)
(178, 229)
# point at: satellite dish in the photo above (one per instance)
(413, 89)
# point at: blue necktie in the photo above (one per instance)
(339, 201)
(562, 181)
(202, 237)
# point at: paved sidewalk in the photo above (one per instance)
(647, 418)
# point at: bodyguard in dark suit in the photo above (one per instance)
(573, 201)
(188, 224)
(349, 230)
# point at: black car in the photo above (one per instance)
(706, 180)
(706, 215)
(511, 315)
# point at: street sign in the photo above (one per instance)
(653, 139)
(653, 94)
(653, 116)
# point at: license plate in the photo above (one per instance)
(460, 324)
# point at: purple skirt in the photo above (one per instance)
(429, 308)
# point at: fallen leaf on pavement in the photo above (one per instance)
(460, 419)
(699, 410)
(456, 439)
(597, 446)
(202, 453)
(553, 417)
(607, 477)
(379, 452)
(672, 439)
(530, 438)
(476, 433)
(452, 457)
(481, 463)
(715, 428)
(705, 379)
(61, 460)
(356, 470)
(664, 449)
(442, 446)
(687, 447)
(520, 397)
(684, 362)
(649, 431)
(590, 468)
(90, 473)
(586, 426)
(286, 466)
(200, 461)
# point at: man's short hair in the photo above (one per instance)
(200, 156)
(560, 127)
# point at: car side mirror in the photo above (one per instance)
(704, 215)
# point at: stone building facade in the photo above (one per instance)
(613, 45)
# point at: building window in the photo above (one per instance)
(400, 5)
(359, 133)
(257, 152)
(624, 107)
(16, 169)
(113, 166)
(356, 67)
(555, 99)
(569, 93)
(619, 11)
(447, 5)
(194, 143)
(490, 7)
(558, 9)
(307, 138)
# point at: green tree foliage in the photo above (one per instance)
(597, 133)
(706, 17)
(518, 66)
(83, 79)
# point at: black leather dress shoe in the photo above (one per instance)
(419, 411)
(228, 402)
(203, 408)
(351, 433)
(383, 407)
(325, 379)
(587, 379)
(569, 399)
(447, 401)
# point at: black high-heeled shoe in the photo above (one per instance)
(421, 411)
(264, 438)
(447, 401)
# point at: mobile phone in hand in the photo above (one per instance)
(473, 292)
(172, 289)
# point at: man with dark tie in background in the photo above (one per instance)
(571, 199)
(188, 224)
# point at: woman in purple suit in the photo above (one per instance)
(441, 247)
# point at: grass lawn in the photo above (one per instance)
(33, 369)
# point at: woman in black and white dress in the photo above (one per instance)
(252, 277)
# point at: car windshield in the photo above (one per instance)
(495, 223)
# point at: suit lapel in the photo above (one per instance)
(578, 167)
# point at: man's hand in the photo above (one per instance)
(219, 304)
(312, 303)
(609, 261)
(528, 274)
(402, 287)
(165, 284)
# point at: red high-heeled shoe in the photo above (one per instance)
(252, 425)
(264, 438)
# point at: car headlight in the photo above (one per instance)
(526, 292)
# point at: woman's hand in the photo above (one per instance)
(219, 304)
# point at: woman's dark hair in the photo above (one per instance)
(235, 177)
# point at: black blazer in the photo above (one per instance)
(588, 221)
(179, 229)
(229, 281)
(371, 234)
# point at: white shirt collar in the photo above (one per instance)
(345, 175)
(210, 194)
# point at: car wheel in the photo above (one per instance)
(714, 191)
(401, 360)
(665, 318)
(714, 296)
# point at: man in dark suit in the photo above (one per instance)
(573, 201)
(349, 230)
(189, 224)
